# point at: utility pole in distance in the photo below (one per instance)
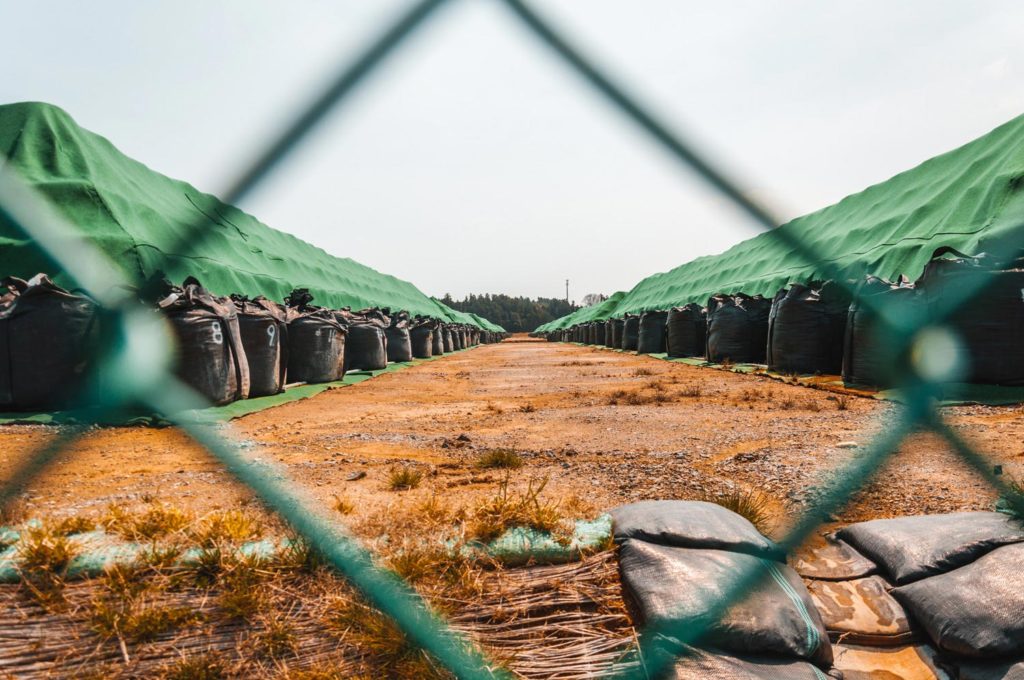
(567, 291)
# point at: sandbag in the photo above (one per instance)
(630, 332)
(48, 338)
(686, 331)
(807, 328)
(316, 346)
(675, 589)
(609, 333)
(737, 328)
(449, 339)
(437, 341)
(976, 610)
(209, 354)
(263, 326)
(697, 664)
(597, 337)
(690, 524)
(617, 327)
(399, 341)
(651, 337)
(366, 345)
(910, 548)
(422, 337)
(991, 670)
(869, 351)
(991, 326)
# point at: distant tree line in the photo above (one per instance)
(514, 314)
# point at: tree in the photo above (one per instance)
(514, 314)
(591, 299)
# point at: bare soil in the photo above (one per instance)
(603, 428)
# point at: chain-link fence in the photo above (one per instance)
(134, 366)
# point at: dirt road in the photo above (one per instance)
(602, 427)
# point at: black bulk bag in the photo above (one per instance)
(449, 339)
(437, 346)
(366, 347)
(686, 331)
(48, 337)
(990, 326)
(869, 352)
(597, 332)
(210, 356)
(738, 328)
(421, 338)
(399, 339)
(609, 335)
(263, 326)
(616, 339)
(651, 339)
(630, 332)
(806, 328)
(456, 340)
(316, 341)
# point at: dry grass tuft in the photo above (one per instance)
(527, 408)
(201, 667)
(640, 372)
(404, 478)
(511, 509)
(154, 522)
(227, 527)
(137, 620)
(45, 556)
(343, 506)
(389, 652)
(842, 402)
(500, 459)
(276, 639)
(755, 506)
(494, 408)
(692, 390)
(69, 526)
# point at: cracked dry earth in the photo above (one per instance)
(601, 426)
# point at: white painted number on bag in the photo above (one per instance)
(271, 335)
(217, 333)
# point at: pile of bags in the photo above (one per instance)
(227, 348)
(824, 328)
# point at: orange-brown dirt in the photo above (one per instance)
(601, 426)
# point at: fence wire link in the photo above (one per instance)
(125, 373)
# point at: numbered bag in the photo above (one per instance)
(209, 356)
(264, 328)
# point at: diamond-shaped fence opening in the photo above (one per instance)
(126, 375)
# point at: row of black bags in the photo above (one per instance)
(227, 348)
(821, 328)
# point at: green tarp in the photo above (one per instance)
(971, 198)
(138, 217)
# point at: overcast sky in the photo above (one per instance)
(475, 162)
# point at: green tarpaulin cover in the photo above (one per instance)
(971, 198)
(138, 216)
